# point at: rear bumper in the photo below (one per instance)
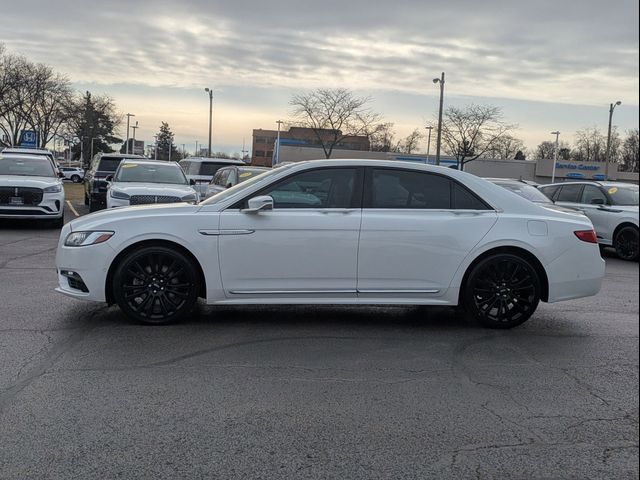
(576, 273)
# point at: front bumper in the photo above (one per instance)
(90, 263)
(51, 207)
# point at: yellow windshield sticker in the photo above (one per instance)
(613, 190)
(245, 174)
(129, 165)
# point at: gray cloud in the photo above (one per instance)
(543, 50)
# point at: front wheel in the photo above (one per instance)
(502, 291)
(626, 243)
(156, 285)
(75, 178)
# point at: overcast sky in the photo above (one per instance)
(549, 64)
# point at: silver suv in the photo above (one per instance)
(612, 207)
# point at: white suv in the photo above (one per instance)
(200, 171)
(75, 174)
(30, 188)
(612, 207)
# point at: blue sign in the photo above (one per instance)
(574, 175)
(28, 138)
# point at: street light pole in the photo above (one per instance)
(555, 157)
(126, 145)
(155, 156)
(612, 107)
(133, 143)
(430, 127)
(279, 122)
(210, 91)
(438, 141)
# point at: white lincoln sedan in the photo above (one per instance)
(336, 232)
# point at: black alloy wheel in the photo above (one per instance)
(156, 285)
(502, 291)
(626, 243)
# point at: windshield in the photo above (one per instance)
(526, 191)
(218, 197)
(30, 167)
(109, 164)
(624, 195)
(154, 173)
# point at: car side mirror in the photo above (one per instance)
(108, 178)
(597, 201)
(256, 204)
(192, 182)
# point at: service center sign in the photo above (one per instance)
(577, 170)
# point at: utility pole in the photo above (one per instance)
(197, 155)
(126, 148)
(612, 107)
(244, 151)
(210, 91)
(555, 157)
(279, 122)
(184, 152)
(155, 156)
(133, 143)
(430, 127)
(438, 141)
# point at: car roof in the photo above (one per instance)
(31, 151)
(21, 156)
(230, 161)
(148, 162)
(122, 155)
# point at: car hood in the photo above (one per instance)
(24, 181)
(106, 219)
(171, 189)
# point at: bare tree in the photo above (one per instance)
(334, 115)
(629, 152)
(410, 143)
(547, 149)
(505, 148)
(21, 88)
(381, 138)
(469, 133)
(591, 145)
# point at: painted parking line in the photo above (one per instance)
(75, 212)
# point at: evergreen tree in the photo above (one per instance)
(166, 145)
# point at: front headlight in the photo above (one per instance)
(118, 194)
(82, 239)
(53, 189)
(191, 198)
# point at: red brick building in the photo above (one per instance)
(264, 141)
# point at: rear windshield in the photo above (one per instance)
(526, 191)
(30, 167)
(209, 168)
(109, 164)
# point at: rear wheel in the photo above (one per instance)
(502, 291)
(156, 285)
(626, 243)
(75, 178)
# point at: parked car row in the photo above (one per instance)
(612, 207)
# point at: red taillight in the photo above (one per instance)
(588, 236)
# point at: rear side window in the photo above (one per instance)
(593, 196)
(570, 193)
(549, 191)
(463, 199)
(403, 189)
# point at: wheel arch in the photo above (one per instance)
(147, 243)
(521, 252)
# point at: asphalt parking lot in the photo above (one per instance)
(310, 392)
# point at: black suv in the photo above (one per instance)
(95, 184)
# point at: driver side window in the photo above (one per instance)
(593, 196)
(323, 188)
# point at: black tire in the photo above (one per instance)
(626, 243)
(156, 285)
(75, 178)
(93, 206)
(502, 291)
(58, 222)
(86, 199)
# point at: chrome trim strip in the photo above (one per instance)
(225, 232)
(397, 291)
(287, 292)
